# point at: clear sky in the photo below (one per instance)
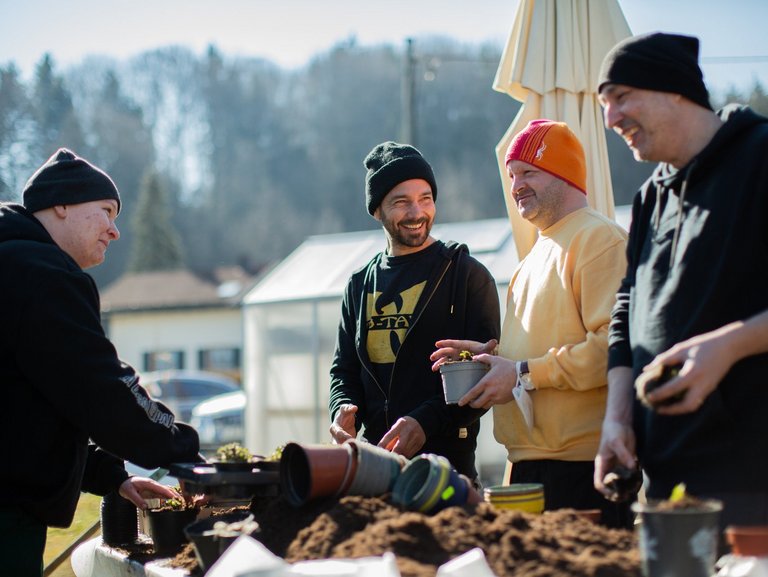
(289, 32)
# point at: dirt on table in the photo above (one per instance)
(555, 544)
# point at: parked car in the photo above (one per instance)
(181, 390)
(220, 420)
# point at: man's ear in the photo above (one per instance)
(60, 210)
(377, 213)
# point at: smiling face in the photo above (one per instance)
(540, 197)
(407, 214)
(85, 230)
(647, 120)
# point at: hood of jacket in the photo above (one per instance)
(18, 224)
(737, 119)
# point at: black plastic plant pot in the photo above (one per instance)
(166, 527)
(208, 545)
(233, 466)
(119, 521)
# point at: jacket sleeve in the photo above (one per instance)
(619, 346)
(76, 369)
(103, 473)
(481, 322)
(346, 384)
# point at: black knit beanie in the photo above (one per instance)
(657, 61)
(389, 164)
(65, 178)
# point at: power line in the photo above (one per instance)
(733, 59)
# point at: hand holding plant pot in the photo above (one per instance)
(167, 523)
(460, 376)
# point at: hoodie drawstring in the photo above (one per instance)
(679, 221)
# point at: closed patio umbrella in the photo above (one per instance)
(550, 64)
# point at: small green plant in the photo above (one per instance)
(678, 493)
(276, 455)
(175, 504)
(465, 356)
(233, 453)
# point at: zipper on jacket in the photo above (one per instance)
(413, 324)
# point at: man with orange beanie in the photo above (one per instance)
(547, 382)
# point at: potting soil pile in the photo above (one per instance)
(555, 544)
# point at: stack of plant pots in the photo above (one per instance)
(309, 472)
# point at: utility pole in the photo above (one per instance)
(408, 95)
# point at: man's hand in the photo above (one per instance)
(705, 361)
(406, 437)
(343, 427)
(135, 489)
(617, 447)
(617, 442)
(495, 388)
(449, 349)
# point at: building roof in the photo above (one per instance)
(174, 289)
(320, 267)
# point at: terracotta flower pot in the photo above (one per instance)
(311, 471)
(460, 377)
(748, 541)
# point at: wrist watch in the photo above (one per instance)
(524, 375)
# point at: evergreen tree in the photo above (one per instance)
(122, 146)
(16, 134)
(156, 244)
(57, 122)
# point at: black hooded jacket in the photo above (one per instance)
(63, 385)
(459, 301)
(698, 260)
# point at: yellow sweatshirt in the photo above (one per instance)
(558, 309)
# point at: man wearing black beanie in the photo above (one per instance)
(77, 408)
(694, 296)
(394, 310)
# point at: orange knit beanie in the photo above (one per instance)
(551, 146)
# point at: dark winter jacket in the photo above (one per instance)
(62, 384)
(459, 301)
(695, 265)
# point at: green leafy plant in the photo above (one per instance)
(276, 454)
(175, 504)
(465, 356)
(233, 453)
(678, 493)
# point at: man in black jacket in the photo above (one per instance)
(73, 410)
(395, 308)
(695, 294)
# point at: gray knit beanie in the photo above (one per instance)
(389, 164)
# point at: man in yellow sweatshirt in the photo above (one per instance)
(547, 380)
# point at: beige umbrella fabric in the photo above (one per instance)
(550, 64)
